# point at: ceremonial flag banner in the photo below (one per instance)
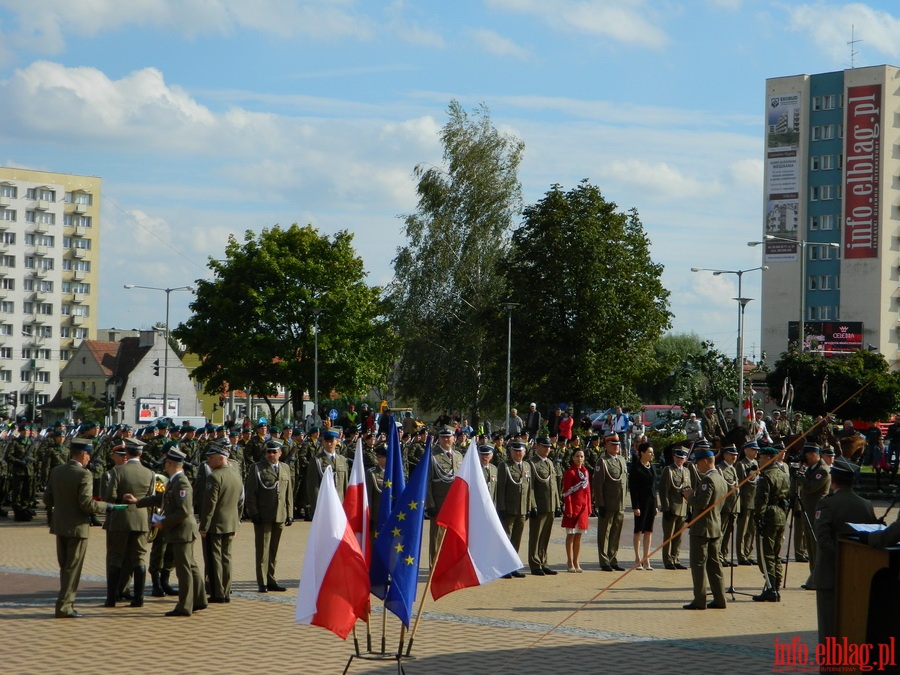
(398, 547)
(334, 585)
(356, 502)
(476, 550)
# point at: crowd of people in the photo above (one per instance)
(736, 498)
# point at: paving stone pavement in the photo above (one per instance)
(531, 625)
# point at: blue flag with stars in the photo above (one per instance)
(395, 560)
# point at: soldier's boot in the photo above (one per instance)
(113, 575)
(157, 591)
(95, 522)
(164, 583)
(770, 593)
(140, 579)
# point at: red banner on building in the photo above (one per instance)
(862, 166)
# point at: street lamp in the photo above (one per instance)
(742, 304)
(315, 314)
(802, 244)
(168, 292)
(510, 306)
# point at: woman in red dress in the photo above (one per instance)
(576, 488)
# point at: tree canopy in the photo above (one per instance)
(447, 287)
(592, 303)
(254, 323)
(859, 385)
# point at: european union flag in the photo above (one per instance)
(398, 545)
(394, 484)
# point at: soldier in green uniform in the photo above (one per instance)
(445, 465)
(500, 454)
(55, 453)
(771, 514)
(731, 507)
(486, 454)
(706, 532)
(162, 560)
(21, 462)
(69, 493)
(270, 504)
(189, 446)
(369, 458)
(305, 455)
(546, 501)
(812, 484)
(748, 476)
(593, 452)
(256, 446)
(327, 456)
(608, 493)
(712, 430)
(673, 505)
(514, 495)
(220, 516)
(127, 530)
(179, 527)
(375, 486)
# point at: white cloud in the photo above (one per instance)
(829, 27)
(627, 21)
(494, 43)
(659, 179)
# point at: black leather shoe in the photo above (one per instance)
(801, 558)
(727, 563)
(218, 601)
(518, 575)
(197, 608)
(276, 588)
(692, 606)
(74, 615)
(712, 605)
(617, 568)
(679, 566)
(549, 572)
(537, 573)
(177, 612)
(263, 589)
(744, 562)
(606, 568)
(506, 576)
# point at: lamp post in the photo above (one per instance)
(510, 306)
(316, 313)
(168, 292)
(802, 244)
(742, 304)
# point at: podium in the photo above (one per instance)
(867, 591)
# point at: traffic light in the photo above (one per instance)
(13, 399)
(156, 367)
(121, 405)
(74, 404)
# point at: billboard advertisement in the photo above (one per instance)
(862, 185)
(829, 338)
(782, 171)
(151, 408)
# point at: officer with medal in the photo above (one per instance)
(327, 456)
(546, 502)
(706, 532)
(514, 496)
(731, 507)
(485, 455)
(270, 505)
(812, 484)
(748, 477)
(772, 503)
(179, 527)
(445, 465)
(608, 492)
(673, 505)
(220, 515)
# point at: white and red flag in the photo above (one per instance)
(475, 550)
(356, 502)
(334, 585)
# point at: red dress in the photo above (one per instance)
(565, 427)
(576, 488)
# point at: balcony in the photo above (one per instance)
(80, 208)
(79, 253)
(79, 275)
(39, 273)
(78, 297)
(41, 250)
(40, 296)
(82, 231)
(40, 228)
(76, 343)
(4, 225)
(4, 247)
(42, 205)
(4, 202)
(4, 271)
(39, 319)
(77, 320)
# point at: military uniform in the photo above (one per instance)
(21, 464)
(608, 490)
(546, 500)
(179, 527)
(270, 504)
(748, 476)
(712, 430)
(491, 478)
(705, 536)
(811, 487)
(444, 467)
(731, 509)
(771, 504)
(319, 463)
(70, 493)
(674, 509)
(220, 516)
(374, 487)
(127, 531)
(514, 498)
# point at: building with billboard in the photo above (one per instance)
(832, 212)
(49, 253)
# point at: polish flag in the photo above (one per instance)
(748, 406)
(476, 550)
(356, 502)
(334, 585)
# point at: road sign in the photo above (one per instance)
(332, 414)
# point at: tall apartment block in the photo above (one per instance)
(49, 253)
(831, 230)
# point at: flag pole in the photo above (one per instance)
(369, 626)
(402, 636)
(440, 545)
(383, 626)
(355, 640)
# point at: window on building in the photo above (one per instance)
(814, 163)
(80, 310)
(10, 191)
(46, 194)
(6, 329)
(827, 192)
(42, 376)
(80, 333)
(82, 244)
(44, 354)
(64, 355)
(8, 215)
(26, 353)
(824, 282)
(7, 307)
(65, 310)
(814, 222)
(25, 376)
(5, 376)
(817, 103)
(82, 221)
(45, 331)
(811, 282)
(81, 288)
(28, 307)
(827, 132)
(45, 264)
(8, 284)
(44, 286)
(8, 237)
(826, 222)
(816, 133)
(7, 261)
(827, 162)
(82, 265)
(814, 193)
(65, 332)
(5, 352)
(828, 102)
(44, 308)
(812, 253)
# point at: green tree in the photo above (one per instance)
(447, 286)
(89, 409)
(706, 376)
(670, 351)
(254, 323)
(860, 385)
(592, 299)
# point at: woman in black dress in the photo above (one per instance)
(642, 479)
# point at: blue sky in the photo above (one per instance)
(210, 117)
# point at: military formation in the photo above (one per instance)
(167, 485)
